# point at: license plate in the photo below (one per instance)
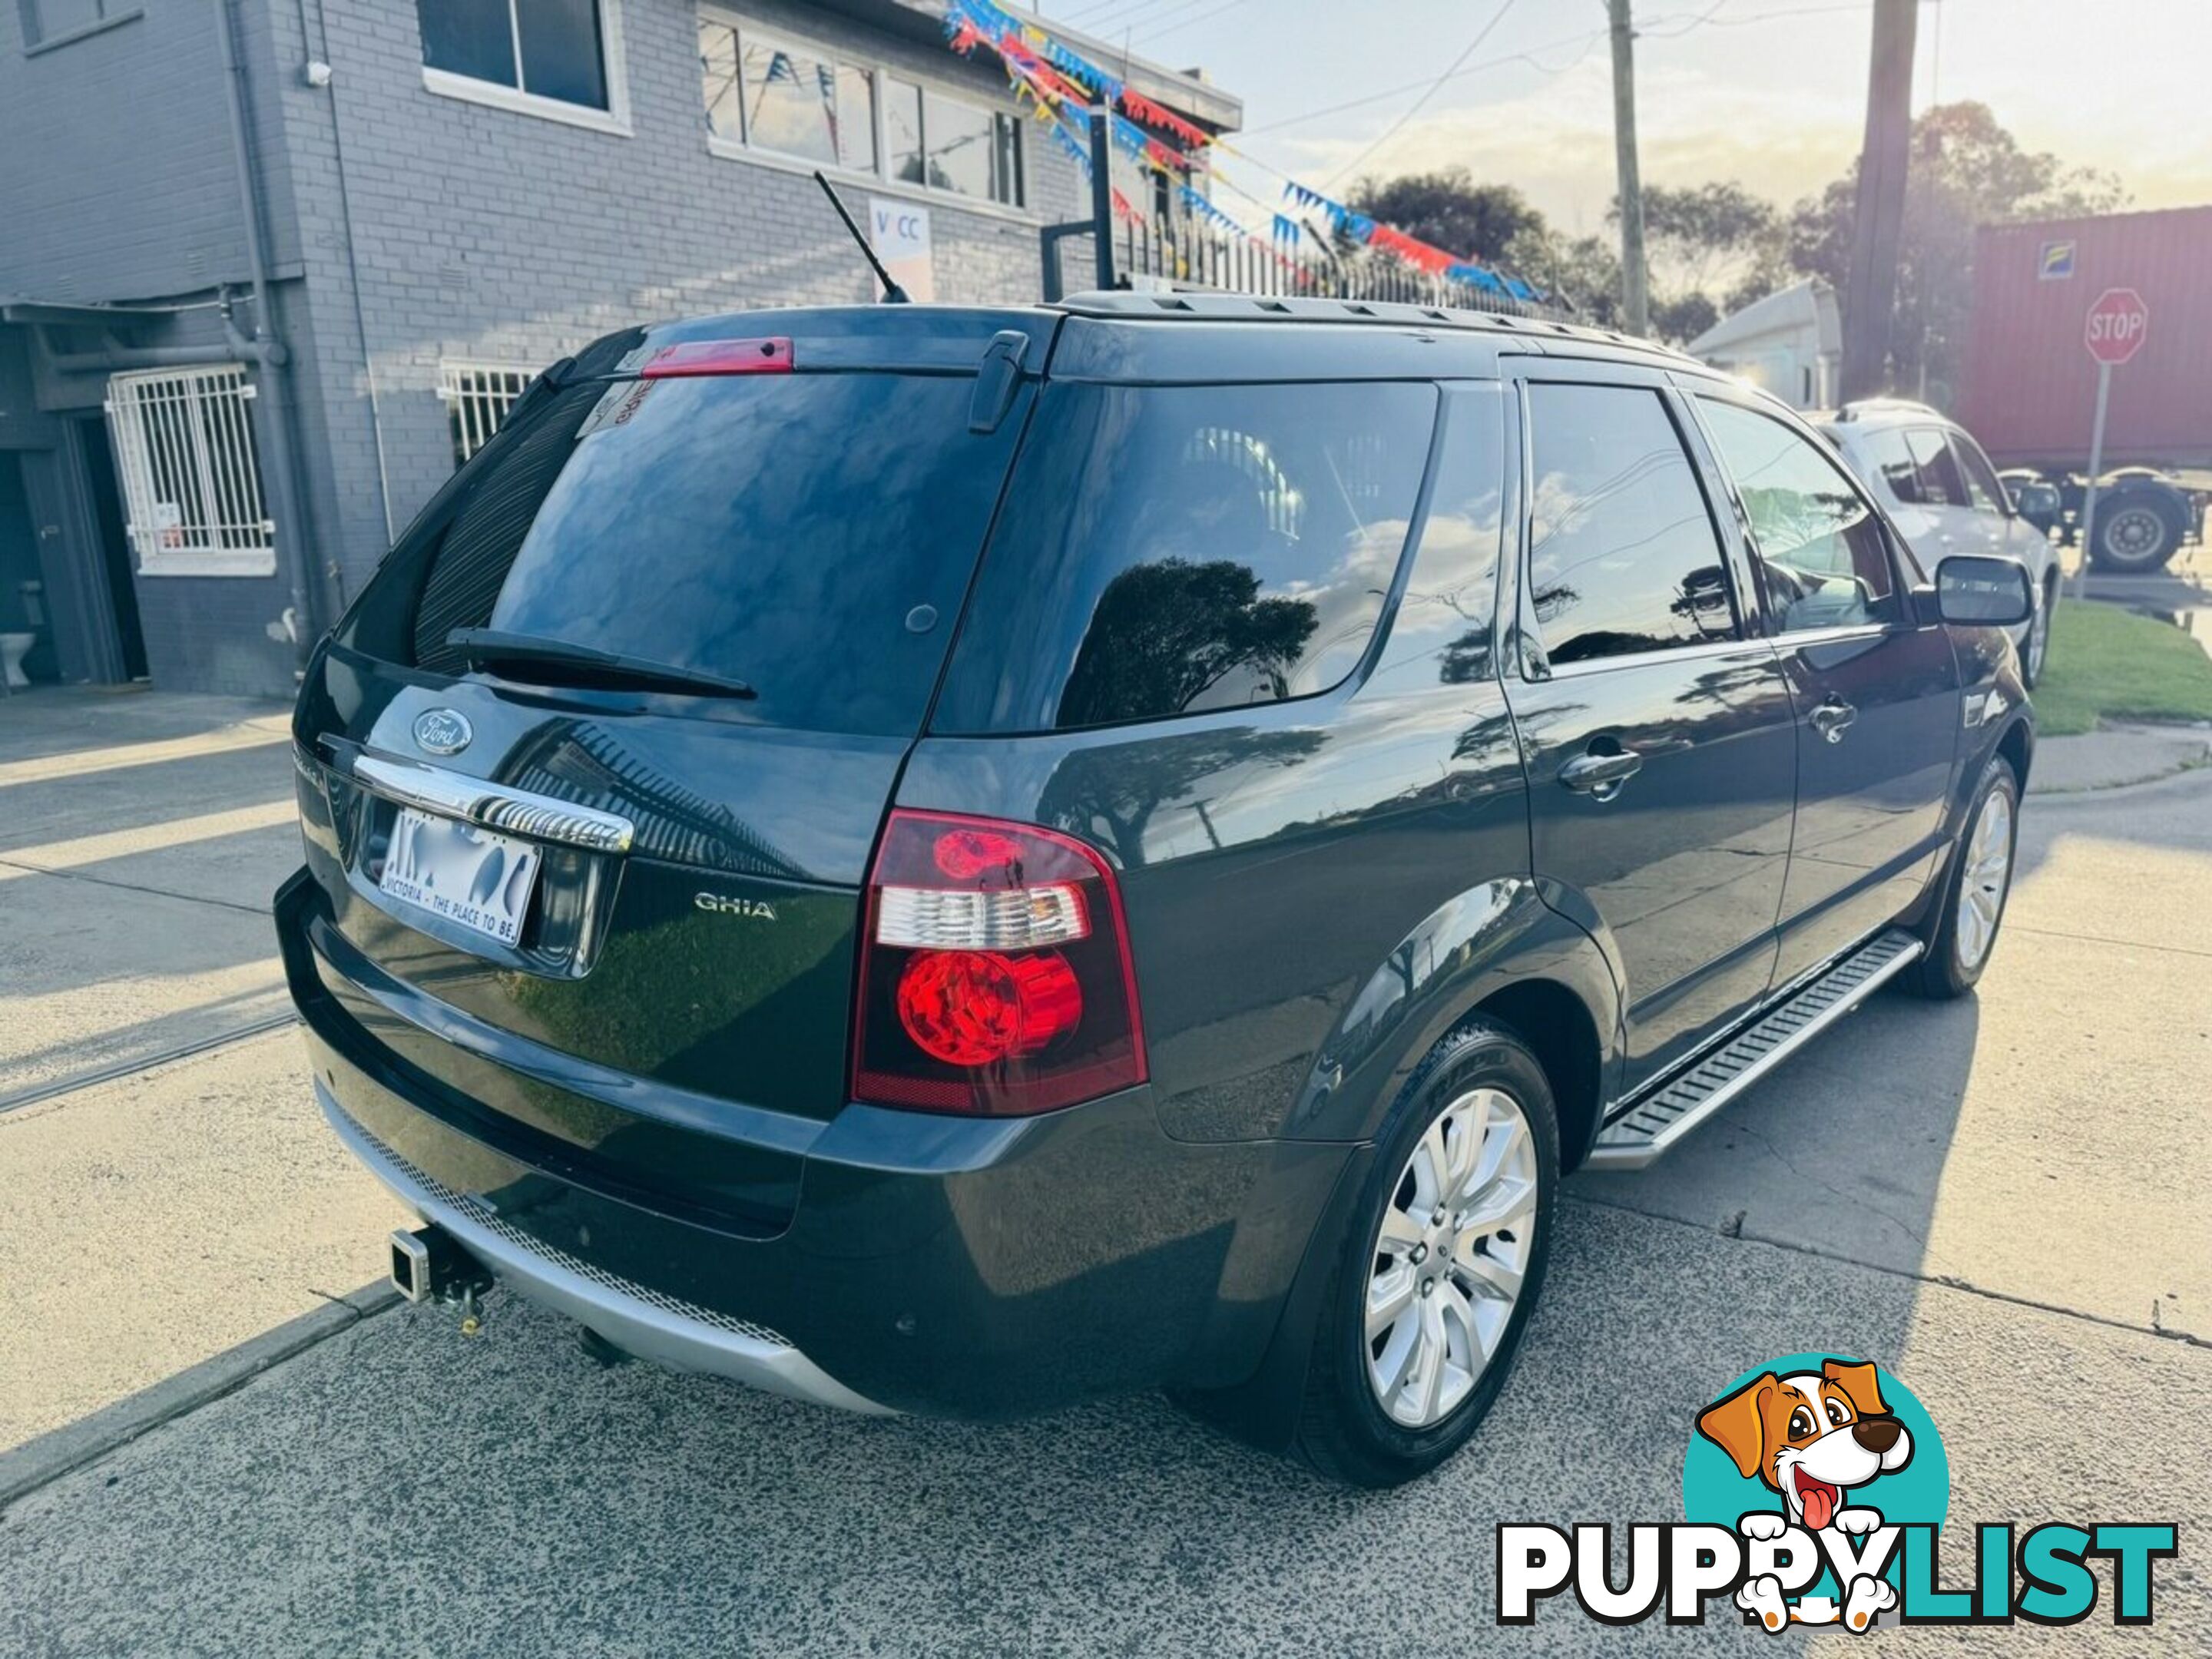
(469, 876)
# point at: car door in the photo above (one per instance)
(1655, 725)
(1876, 690)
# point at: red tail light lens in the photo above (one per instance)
(769, 354)
(995, 976)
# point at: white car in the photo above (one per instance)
(1944, 495)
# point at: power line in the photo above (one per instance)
(1532, 56)
(1435, 86)
(1203, 16)
(1114, 14)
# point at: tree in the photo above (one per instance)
(1681, 318)
(1168, 631)
(1450, 210)
(1967, 170)
(1703, 236)
(1585, 270)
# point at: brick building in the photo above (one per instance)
(269, 268)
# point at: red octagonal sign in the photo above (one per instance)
(2117, 326)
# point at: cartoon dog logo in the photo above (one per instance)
(1812, 1436)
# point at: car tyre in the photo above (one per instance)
(2135, 534)
(1961, 935)
(1392, 1391)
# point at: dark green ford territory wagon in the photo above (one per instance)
(953, 860)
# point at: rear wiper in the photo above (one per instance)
(485, 648)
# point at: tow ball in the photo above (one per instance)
(430, 1264)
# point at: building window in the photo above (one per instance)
(50, 22)
(546, 56)
(766, 91)
(948, 143)
(775, 94)
(191, 472)
(477, 396)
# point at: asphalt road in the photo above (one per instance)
(2007, 1201)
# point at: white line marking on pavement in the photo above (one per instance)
(76, 763)
(149, 838)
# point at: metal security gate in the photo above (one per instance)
(477, 396)
(186, 456)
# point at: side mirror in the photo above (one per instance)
(1979, 590)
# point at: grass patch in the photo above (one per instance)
(2107, 663)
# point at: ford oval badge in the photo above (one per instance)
(442, 731)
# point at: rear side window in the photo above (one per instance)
(1888, 453)
(1981, 478)
(1169, 550)
(809, 534)
(1441, 635)
(1941, 483)
(1623, 557)
(1825, 560)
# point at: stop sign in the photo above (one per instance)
(2117, 326)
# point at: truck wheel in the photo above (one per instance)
(1963, 929)
(1424, 1311)
(2134, 535)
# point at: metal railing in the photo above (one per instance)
(1185, 255)
(1151, 252)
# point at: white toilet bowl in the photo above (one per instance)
(13, 649)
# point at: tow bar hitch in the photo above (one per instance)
(430, 1264)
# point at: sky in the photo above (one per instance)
(1769, 92)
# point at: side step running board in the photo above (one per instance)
(1651, 1128)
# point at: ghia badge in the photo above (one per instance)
(442, 731)
(728, 905)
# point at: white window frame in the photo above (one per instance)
(478, 397)
(778, 39)
(741, 150)
(614, 119)
(212, 447)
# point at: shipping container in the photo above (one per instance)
(2029, 387)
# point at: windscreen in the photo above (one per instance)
(811, 534)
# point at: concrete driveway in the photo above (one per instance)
(2007, 1201)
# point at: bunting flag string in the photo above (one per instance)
(1061, 80)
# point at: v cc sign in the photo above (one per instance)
(2117, 326)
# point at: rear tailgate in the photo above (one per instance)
(672, 1017)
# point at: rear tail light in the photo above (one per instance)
(767, 355)
(995, 976)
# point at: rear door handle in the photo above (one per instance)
(1832, 718)
(1601, 775)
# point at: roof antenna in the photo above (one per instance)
(893, 294)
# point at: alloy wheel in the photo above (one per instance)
(2039, 642)
(1981, 890)
(1454, 1244)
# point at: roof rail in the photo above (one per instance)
(1863, 406)
(1251, 307)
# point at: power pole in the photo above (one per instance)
(1635, 297)
(1869, 298)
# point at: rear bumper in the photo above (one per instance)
(956, 1266)
(678, 1334)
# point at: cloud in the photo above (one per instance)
(1555, 142)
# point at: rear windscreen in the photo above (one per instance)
(811, 535)
(1169, 550)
